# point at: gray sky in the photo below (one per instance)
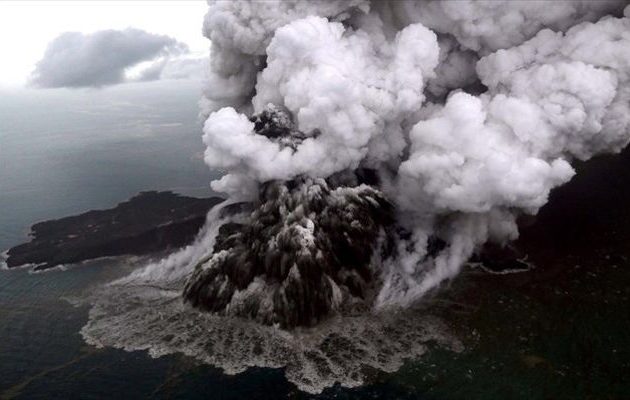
(27, 27)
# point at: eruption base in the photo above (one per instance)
(307, 250)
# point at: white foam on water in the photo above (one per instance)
(156, 319)
(528, 266)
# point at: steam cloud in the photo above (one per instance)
(469, 112)
(101, 58)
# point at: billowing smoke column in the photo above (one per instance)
(300, 255)
(463, 115)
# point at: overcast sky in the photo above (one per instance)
(27, 27)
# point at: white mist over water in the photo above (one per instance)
(470, 112)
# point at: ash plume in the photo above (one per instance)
(468, 113)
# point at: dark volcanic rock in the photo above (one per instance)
(276, 124)
(149, 222)
(304, 251)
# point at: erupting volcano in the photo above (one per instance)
(462, 124)
(370, 149)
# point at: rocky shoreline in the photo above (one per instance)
(148, 222)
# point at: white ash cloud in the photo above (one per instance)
(554, 98)
(240, 32)
(74, 59)
(488, 25)
(334, 83)
(379, 85)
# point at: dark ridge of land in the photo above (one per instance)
(148, 222)
(558, 331)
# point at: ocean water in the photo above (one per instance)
(64, 152)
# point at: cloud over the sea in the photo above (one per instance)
(102, 58)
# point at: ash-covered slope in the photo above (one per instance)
(304, 251)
